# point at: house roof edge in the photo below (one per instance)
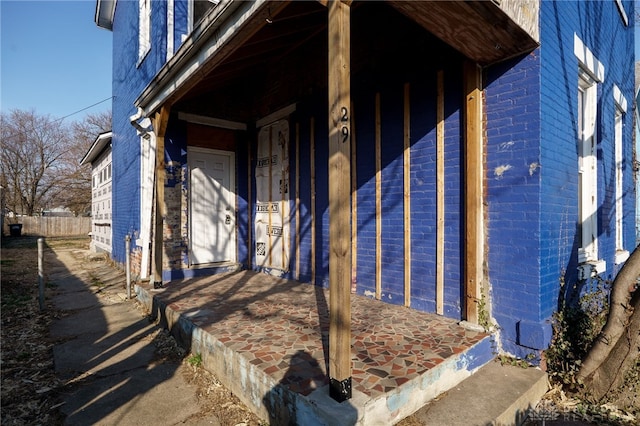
(96, 147)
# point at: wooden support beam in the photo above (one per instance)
(440, 194)
(407, 195)
(270, 192)
(312, 155)
(354, 207)
(160, 122)
(297, 271)
(378, 154)
(474, 236)
(250, 224)
(339, 30)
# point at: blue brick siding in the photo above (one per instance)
(531, 166)
(512, 193)
(530, 157)
(423, 194)
(600, 27)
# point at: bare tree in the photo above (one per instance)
(32, 146)
(617, 348)
(40, 159)
(74, 191)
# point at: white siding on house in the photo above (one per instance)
(101, 203)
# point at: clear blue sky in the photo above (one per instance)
(53, 58)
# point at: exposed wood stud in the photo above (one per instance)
(354, 206)
(474, 245)
(378, 154)
(297, 272)
(270, 186)
(160, 122)
(250, 224)
(312, 149)
(440, 194)
(285, 207)
(340, 131)
(407, 195)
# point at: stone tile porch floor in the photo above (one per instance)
(282, 326)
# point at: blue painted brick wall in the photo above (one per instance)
(513, 194)
(423, 193)
(453, 195)
(128, 81)
(531, 160)
(600, 27)
(392, 222)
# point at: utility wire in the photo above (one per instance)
(69, 115)
(84, 109)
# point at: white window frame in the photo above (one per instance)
(190, 17)
(590, 73)
(587, 168)
(620, 110)
(191, 11)
(170, 29)
(147, 184)
(144, 29)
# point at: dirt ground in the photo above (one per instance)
(30, 389)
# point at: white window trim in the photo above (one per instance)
(620, 101)
(170, 29)
(591, 71)
(587, 60)
(588, 170)
(147, 170)
(189, 17)
(623, 13)
(144, 29)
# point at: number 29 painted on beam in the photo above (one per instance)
(344, 117)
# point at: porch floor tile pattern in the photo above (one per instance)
(282, 327)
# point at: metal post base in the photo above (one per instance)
(340, 390)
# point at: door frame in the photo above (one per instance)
(232, 188)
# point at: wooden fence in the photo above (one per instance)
(50, 226)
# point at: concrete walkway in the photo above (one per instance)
(106, 356)
(106, 353)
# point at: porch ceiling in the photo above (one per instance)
(234, 44)
(480, 30)
(278, 36)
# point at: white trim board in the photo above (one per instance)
(211, 121)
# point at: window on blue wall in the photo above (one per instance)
(618, 142)
(587, 168)
(144, 29)
(198, 9)
(620, 110)
(590, 74)
(170, 28)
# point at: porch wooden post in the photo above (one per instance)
(339, 200)
(474, 235)
(159, 126)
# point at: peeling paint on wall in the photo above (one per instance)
(533, 167)
(505, 146)
(499, 171)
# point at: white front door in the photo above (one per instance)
(212, 206)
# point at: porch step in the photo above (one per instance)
(495, 395)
